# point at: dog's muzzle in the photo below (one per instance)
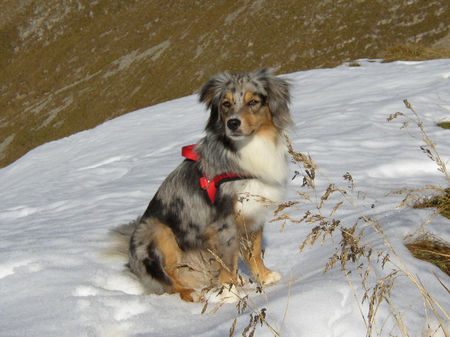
(233, 124)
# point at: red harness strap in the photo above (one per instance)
(188, 152)
(210, 185)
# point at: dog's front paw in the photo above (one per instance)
(271, 277)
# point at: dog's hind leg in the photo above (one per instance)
(173, 259)
(155, 258)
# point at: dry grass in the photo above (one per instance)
(444, 125)
(441, 202)
(426, 246)
(351, 249)
(429, 148)
(413, 52)
(432, 249)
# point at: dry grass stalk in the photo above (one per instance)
(307, 164)
(233, 327)
(429, 148)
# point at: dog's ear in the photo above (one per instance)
(210, 94)
(208, 91)
(278, 98)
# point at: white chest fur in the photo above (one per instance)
(266, 159)
(258, 198)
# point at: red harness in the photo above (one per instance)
(210, 185)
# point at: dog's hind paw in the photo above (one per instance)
(225, 294)
(190, 295)
(196, 297)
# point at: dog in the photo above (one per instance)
(212, 207)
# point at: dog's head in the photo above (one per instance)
(246, 103)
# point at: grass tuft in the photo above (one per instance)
(428, 247)
(441, 202)
(444, 125)
(432, 249)
(413, 52)
(354, 64)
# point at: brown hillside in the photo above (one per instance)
(66, 66)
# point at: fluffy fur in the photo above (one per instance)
(184, 243)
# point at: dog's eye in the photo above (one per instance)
(252, 102)
(226, 104)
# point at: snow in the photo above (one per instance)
(59, 201)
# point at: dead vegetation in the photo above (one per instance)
(430, 248)
(413, 52)
(440, 201)
(444, 125)
(351, 249)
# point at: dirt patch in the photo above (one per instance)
(443, 43)
(69, 66)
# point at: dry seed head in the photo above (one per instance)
(365, 276)
(283, 206)
(347, 176)
(407, 104)
(394, 116)
(336, 208)
(304, 196)
(331, 262)
(330, 189)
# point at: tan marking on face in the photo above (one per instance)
(248, 96)
(269, 131)
(256, 118)
(228, 98)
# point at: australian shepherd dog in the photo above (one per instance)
(212, 207)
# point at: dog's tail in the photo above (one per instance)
(120, 239)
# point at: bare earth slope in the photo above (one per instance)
(66, 66)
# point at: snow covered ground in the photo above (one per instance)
(58, 202)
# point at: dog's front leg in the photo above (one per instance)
(251, 253)
(223, 243)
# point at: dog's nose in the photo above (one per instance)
(233, 124)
